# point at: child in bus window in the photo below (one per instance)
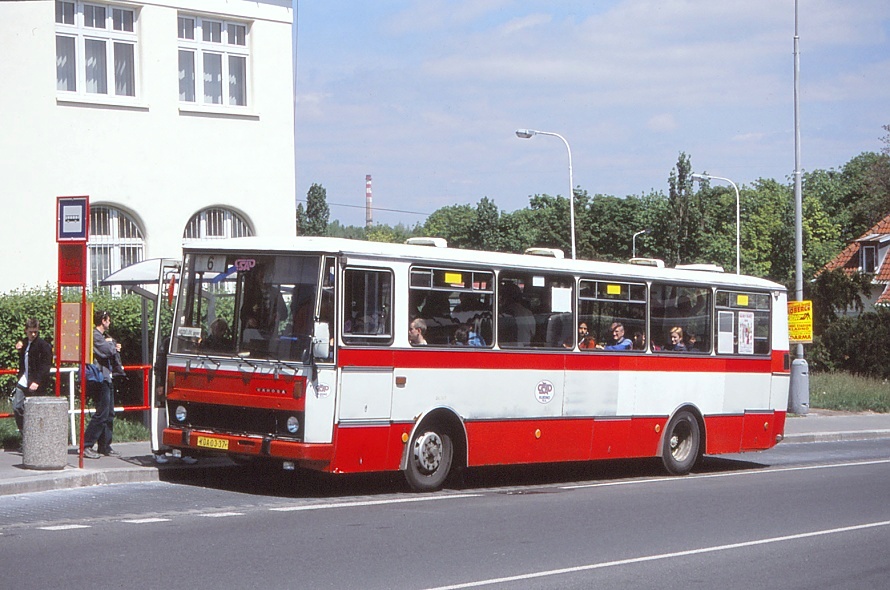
(676, 344)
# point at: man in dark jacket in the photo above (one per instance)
(35, 361)
(101, 427)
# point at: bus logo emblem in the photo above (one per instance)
(544, 391)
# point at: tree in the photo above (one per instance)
(301, 219)
(317, 211)
(685, 214)
(767, 231)
(833, 293)
(484, 227)
(454, 223)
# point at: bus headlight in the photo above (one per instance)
(180, 413)
(293, 425)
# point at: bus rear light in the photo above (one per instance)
(299, 388)
(171, 380)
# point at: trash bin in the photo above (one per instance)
(45, 439)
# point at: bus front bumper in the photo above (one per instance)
(253, 446)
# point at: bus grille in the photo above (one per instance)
(236, 419)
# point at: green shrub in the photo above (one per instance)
(857, 345)
(126, 429)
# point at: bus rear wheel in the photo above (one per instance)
(682, 443)
(429, 460)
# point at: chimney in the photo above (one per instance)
(369, 221)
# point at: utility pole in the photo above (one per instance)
(799, 394)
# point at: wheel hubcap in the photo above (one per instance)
(428, 451)
(680, 442)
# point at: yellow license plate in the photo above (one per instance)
(213, 443)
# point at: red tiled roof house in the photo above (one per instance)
(868, 254)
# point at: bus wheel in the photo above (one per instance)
(429, 460)
(682, 441)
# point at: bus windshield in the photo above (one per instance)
(249, 305)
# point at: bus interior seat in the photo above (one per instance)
(560, 329)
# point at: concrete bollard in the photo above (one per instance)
(45, 438)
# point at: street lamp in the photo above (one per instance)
(642, 231)
(738, 234)
(528, 134)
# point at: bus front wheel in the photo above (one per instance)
(682, 441)
(429, 460)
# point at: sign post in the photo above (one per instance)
(800, 322)
(72, 232)
(800, 332)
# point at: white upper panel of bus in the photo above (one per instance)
(474, 258)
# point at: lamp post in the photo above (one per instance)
(738, 218)
(642, 231)
(528, 134)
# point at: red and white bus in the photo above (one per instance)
(298, 350)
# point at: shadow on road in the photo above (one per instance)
(269, 479)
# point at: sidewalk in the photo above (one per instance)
(136, 462)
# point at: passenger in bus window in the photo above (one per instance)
(691, 342)
(465, 336)
(676, 344)
(586, 340)
(217, 340)
(619, 342)
(512, 306)
(639, 341)
(416, 332)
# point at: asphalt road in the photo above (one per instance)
(798, 516)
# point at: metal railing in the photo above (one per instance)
(74, 399)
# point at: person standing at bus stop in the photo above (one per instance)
(101, 425)
(35, 360)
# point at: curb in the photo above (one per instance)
(77, 478)
(836, 436)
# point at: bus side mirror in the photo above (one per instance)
(321, 342)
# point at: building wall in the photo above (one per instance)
(159, 160)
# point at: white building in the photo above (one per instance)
(175, 117)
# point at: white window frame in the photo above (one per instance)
(216, 223)
(231, 45)
(112, 38)
(864, 259)
(121, 244)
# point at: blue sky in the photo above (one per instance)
(426, 95)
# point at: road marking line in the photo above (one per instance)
(63, 527)
(222, 514)
(146, 520)
(634, 560)
(371, 502)
(728, 474)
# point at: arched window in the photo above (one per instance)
(216, 222)
(116, 241)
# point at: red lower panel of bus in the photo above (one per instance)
(380, 447)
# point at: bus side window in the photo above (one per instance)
(535, 310)
(604, 303)
(452, 302)
(743, 323)
(367, 317)
(681, 311)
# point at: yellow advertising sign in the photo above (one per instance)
(800, 322)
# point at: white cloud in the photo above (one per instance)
(663, 122)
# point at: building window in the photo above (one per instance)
(213, 58)
(116, 242)
(95, 49)
(216, 222)
(869, 260)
